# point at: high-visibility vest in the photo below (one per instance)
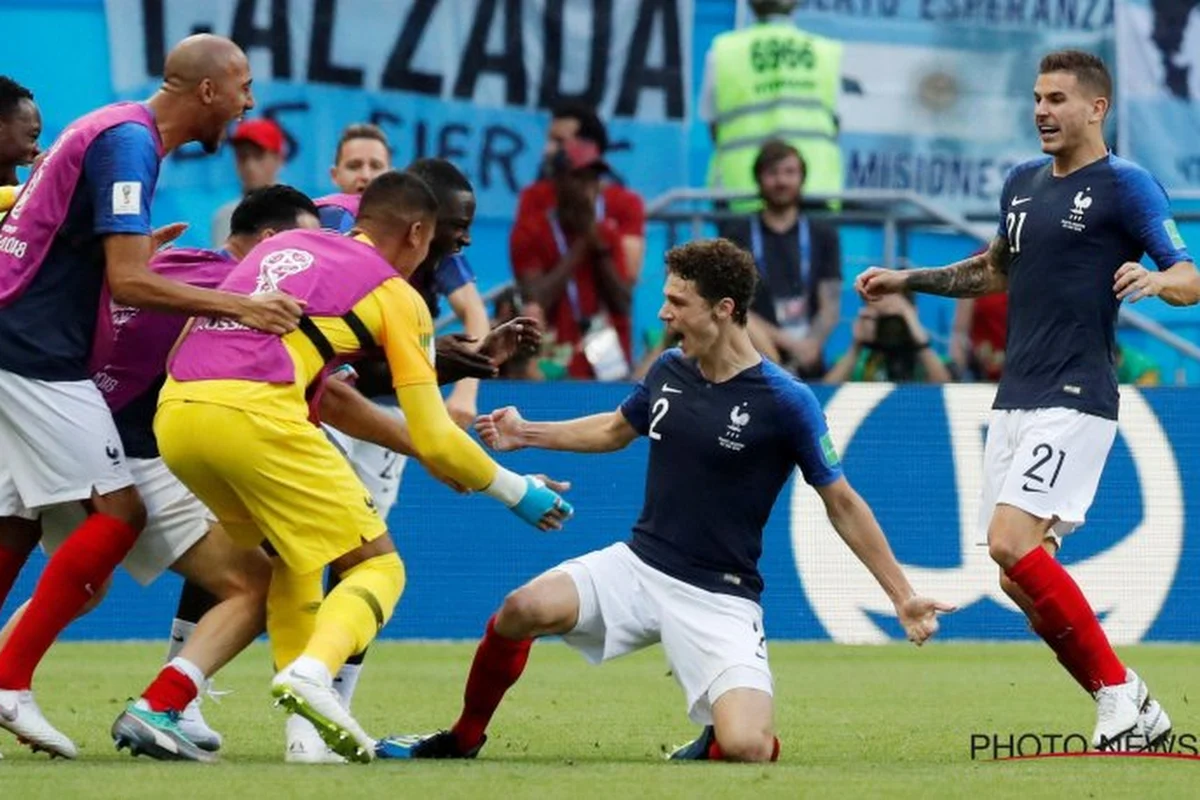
(775, 80)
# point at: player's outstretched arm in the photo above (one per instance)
(451, 453)
(505, 429)
(976, 276)
(133, 283)
(855, 523)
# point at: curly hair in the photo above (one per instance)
(720, 269)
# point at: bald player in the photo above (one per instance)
(83, 221)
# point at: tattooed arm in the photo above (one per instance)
(972, 277)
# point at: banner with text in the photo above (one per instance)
(1158, 88)
(469, 80)
(937, 93)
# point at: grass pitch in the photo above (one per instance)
(888, 721)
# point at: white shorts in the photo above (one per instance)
(58, 444)
(1045, 461)
(175, 520)
(377, 467)
(713, 642)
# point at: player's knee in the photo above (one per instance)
(124, 504)
(1004, 549)
(751, 746)
(248, 576)
(524, 612)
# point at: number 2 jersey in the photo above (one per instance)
(720, 453)
(1068, 236)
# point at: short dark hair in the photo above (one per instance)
(1089, 70)
(720, 269)
(442, 176)
(765, 8)
(11, 95)
(590, 126)
(396, 198)
(361, 130)
(277, 207)
(773, 151)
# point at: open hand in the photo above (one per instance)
(167, 234)
(918, 615)
(521, 336)
(458, 358)
(273, 312)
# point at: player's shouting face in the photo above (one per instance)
(226, 97)
(1066, 112)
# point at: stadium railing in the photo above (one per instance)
(898, 214)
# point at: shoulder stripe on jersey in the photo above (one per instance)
(365, 340)
(319, 340)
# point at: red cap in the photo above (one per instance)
(584, 153)
(263, 132)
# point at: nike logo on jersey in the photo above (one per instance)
(1019, 201)
(669, 389)
(1036, 490)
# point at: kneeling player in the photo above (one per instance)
(726, 431)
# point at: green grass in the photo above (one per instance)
(871, 721)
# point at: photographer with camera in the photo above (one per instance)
(889, 344)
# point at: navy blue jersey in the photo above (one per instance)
(1068, 236)
(47, 332)
(719, 455)
(447, 277)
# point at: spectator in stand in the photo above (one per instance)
(772, 79)
(624, 207)
(259, 151)
(1134, 366)
(978, 341)
(569, 260)
(889, 344)
(799, 297)
(508, 306)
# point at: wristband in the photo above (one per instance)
(508, 487)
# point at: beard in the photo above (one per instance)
(780, 201)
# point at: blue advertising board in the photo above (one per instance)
(915, 454)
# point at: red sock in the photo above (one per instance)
(82, 564)
(1067, 618)
(11, 562)
(1076, 671)
(715, 754)
(498, 664)
(170, 691)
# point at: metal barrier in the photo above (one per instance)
(897, 212)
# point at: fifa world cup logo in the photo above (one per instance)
(280, 264)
